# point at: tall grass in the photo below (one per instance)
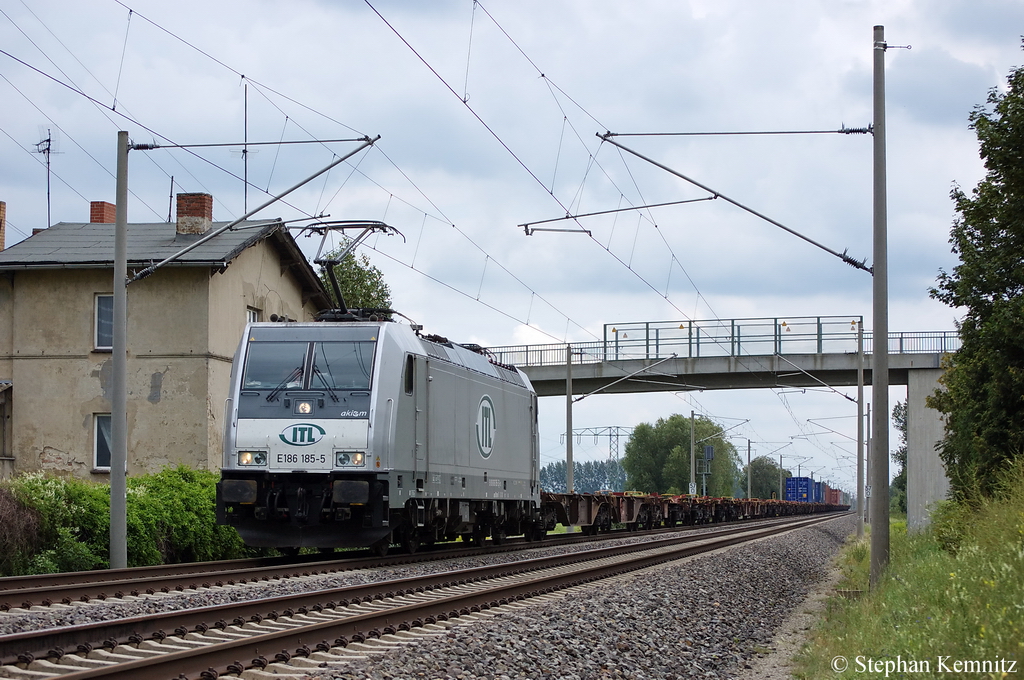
(953, 593)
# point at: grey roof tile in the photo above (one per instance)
(92, 245)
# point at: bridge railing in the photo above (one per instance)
(726, 338)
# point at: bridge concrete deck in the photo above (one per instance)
(722, 373)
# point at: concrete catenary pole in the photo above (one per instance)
(568, 419)
(880, 349)
(860, 429)
(693, 459)
(782, 491)
(119, 361)
(748, 469)
(867, 464)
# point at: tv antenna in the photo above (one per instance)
(47, 146)
(245, 150)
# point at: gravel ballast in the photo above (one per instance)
(705, 616)
(701, 617)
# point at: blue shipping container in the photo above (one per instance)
(819, 492)
(799, 489)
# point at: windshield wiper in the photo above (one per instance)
(295, 374)
(330, 390)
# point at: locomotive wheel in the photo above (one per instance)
(290, 551)
(478, 536)
(411, 542)
(380, 548)
(497, 536)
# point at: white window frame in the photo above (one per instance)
(99, 434)
(96, 340)
(252, 315)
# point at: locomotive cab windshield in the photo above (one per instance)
(292, 392)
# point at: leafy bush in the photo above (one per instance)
(175, 513)
(67, 554)
(19, 533)
(70, 503)
(52, 524)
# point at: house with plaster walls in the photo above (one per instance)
(184, 323)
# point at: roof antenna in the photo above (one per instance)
(245, 150)
(245, 147)
(46, 147)
(170, 201)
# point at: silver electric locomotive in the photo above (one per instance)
(361, 432)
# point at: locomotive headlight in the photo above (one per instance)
(346, 458)
(252, 458)
(304, 407)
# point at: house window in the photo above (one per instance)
(252, 315)
(101, 441)
(104, 339)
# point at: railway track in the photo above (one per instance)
(330, 626)
(27, 593)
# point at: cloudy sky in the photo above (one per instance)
(489, 115)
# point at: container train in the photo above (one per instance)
(368, 433)
(355, 430)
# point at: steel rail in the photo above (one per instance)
(84, 586)
(42, 642)
(69, 587)
(45, 642)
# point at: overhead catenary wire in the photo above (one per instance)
(841, 131)
(858, 264)
(120, 67)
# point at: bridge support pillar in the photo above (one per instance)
(927, 483)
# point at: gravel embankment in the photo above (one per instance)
(58, 616)
(703, 617)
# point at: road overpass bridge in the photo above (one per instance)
(673, 356)
(756, 353)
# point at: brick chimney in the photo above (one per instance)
(3, 224)
(101, 212)
(195, 213)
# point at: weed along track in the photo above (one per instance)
(328, 627)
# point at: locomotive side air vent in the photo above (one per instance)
(435, 350)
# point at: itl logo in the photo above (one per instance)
(302, 434)
(485, 426)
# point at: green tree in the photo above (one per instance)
(552, 477)
(898, 487)
(362, 284)
(764, 478)
(982, 394)
(658, 457)
(588, 476)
